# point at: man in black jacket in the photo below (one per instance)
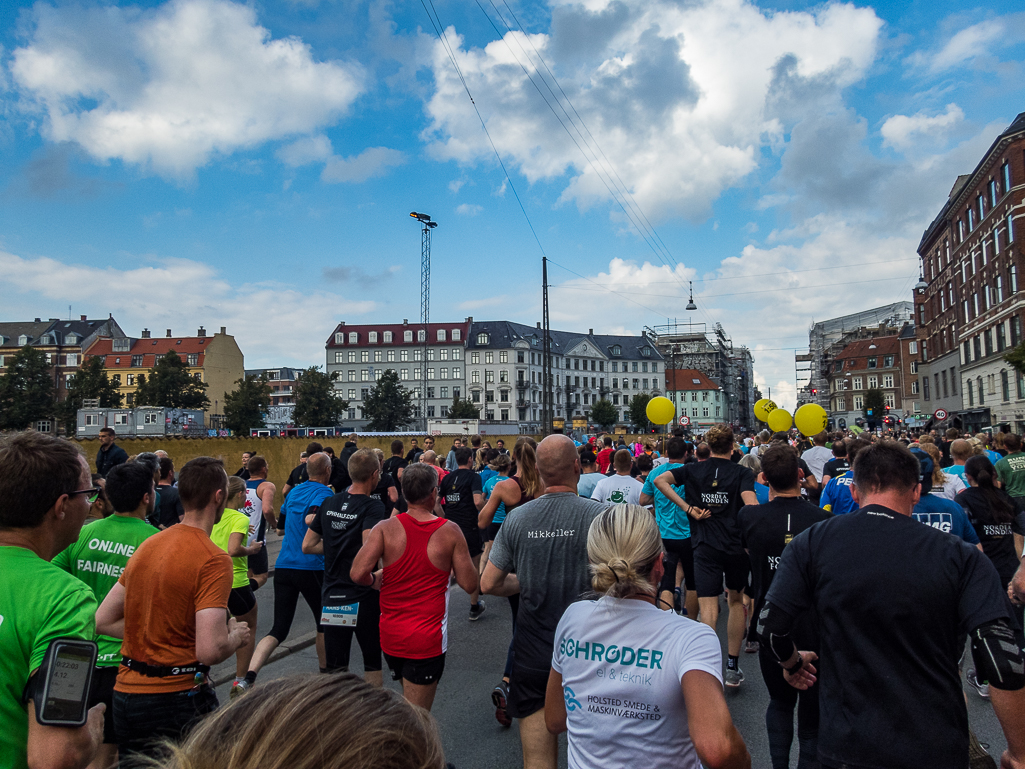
(110, 454)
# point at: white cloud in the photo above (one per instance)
(172, 87)
(967, 44)
(681, 97)
(468, 209)
(372, 162)
(903, 131)
(271, 322)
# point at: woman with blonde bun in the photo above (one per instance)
(629, 679)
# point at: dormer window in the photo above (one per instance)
(23, 340)
(646, 352)
(483, 339)
(123, 345)
(617, 350)
(353, 337)
(456, 335)
(387, 337)
(339, 338)
(372, 337)
(441, 335)
(407, 336)
(421, 335)
(533, 341)
(72, 339)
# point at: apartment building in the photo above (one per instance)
(877, 363)
(697, 397)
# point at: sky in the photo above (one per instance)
(253, 165)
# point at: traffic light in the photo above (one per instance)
(814, 391)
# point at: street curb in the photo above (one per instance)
(227, 673)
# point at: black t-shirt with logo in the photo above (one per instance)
(836, 467)
(381, 492)
(457, 490)
(341, 521)
(765, 531)
(715, 485)
(997, 538)
(894, 599)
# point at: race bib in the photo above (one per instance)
(340, 616)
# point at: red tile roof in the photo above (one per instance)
(688, 379)
(149, 349)
(859, 351)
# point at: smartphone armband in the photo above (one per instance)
(60, 687)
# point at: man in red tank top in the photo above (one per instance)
(420, 551)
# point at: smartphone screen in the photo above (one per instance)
(67, 690)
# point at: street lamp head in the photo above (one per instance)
(424, 219)
(690, 304)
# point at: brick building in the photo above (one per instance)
(886, 363)
(968, 305)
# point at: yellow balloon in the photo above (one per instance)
(811, 419)
(763, 408)
(780, 420)
(660, 411)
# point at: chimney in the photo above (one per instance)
(54, 320)
(145, 333)
(224, 330)
(201, 332)
(168, 333)
(590, 332)
(469, 320)
(39, 320)
(83, 317)
(539, 324)
(405, 321)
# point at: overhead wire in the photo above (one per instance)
(743, 293)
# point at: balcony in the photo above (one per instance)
(522, 404)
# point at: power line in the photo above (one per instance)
(736, 293)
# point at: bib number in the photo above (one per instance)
(340, 616)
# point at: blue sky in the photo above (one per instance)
(204, 162)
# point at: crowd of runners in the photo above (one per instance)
(866, 573)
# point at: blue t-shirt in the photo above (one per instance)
(586, 484)
(298, 504)
(487, 474)
(762, 492)
(673, 523)
(957, 470)
(836, 497)
(945, 515)
(489, 486)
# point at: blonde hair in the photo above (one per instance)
(380, 455)
(938, 476)
(526, 466)
(312, 722)
(236, 486)
(623, 545)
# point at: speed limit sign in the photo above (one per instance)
(940, 414)
(684, 421)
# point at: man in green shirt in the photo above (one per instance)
(98, 558)
(1011, 469)
(45, 492)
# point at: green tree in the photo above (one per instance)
(876, 403)
(90, 381)
(604, 414)
(245, 406)
(637, 411)
(388, 405)
(26, 391)
(1016, 357)
(463, 409)
(170, 385)
(317, 404)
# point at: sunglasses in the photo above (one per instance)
(94, 493)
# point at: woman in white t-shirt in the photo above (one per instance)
(631, 683)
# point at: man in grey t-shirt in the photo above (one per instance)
(541, 553)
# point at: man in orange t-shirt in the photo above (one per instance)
(171, 607)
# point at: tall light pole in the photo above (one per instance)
(425, 302)
(546, 358)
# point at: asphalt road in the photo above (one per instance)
(476, 656)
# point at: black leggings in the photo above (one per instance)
(289, 584)
(779, 716)
(338, 640)
(678, 551)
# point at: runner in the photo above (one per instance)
(944, 484)
(960, 453)
(589, 475)
(337, 531)
(939, 512)
(259, 508)
(884, 651)
(171, 510)
(243, 472)
(501, 465)
(674, 528)
(715, 490)
(1011, 469)
(621, 487)
(386, 492)
(414, 452)
(299, 473)
(419, 552)
(817, 456)
(836, 497)
(296, 573)
(45, 494)
(394, 466)
(98, 558)
(110, 455)
(525, 485)
(170, 605)
(541, 553)
(462, 497)
(231, 534)
(765, 531)
(678, 660)
(838, 465)
(604, 457)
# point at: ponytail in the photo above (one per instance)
(999, 508)
(526, 467)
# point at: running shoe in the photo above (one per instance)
(751, 647)
(239, 687)
(475, 613)
(981, 688)
(734, 678)
(500, 696)
(978, 755)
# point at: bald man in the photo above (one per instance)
(541, 553)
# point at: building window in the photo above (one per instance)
(377, 356)
(1010, 228)
(873, 382)
(364, 375)
(988, 338)
(456, 335)
(364, 356)
(1013, 283)
(457, 372)
(646, 352)
(403, 355)
(404, 373)
(982, 394)
(372, 338)
(889, 400)
(352, 375)
(339, 338)
(841, 404)
(418, 354)
(1001, 337)
(137, 361)
(858, 402)
(1005, 386)
(475, 358)
(914, 387)
(888, 380)
(872, 363)
(925, 388)
(914, 367)
(475, 376)
(1007, 177)
(1015, 330)
(484, 339)
(391, 356)
(421, 335)
(407, 336)
(387, 337)
(857, 384)
(489, 358)
(1020, 377)
(353, 337)
(456, 355)
(887, 361)
(441, 335)
(352, 393)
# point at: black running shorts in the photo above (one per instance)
(241, 600)
(678, 551)
(712, 565)
(419, 672)
(102, 690)
(527, 689)
(474, 539)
